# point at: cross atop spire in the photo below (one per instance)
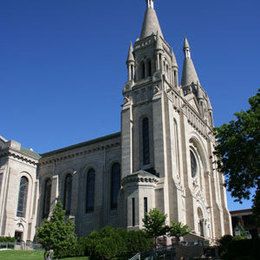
(150, 3)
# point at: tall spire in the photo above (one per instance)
(151, 23)
(189, 74)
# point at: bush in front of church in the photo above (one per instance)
(110, 242)
(239, 248)
(58, 234)
(7, 239)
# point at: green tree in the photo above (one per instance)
(154, 224)
(238, 150)
(58, 233)
(178, 229)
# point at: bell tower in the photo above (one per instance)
(152, 72)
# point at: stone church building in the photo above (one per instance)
(162, 157)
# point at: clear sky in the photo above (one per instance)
(62, 62)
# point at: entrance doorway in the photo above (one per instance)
(18, 236)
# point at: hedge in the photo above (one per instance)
(7, 240)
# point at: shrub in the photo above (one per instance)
(138, 241)
(7, 239)
(238, 248)
(110, 242)
(224, 243)
(246, 249)
(106, 243)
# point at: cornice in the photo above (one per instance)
(135, 178)
(65, 155)
(19, 156)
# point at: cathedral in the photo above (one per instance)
(163, 157)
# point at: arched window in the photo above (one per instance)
(142, 70)
(194, 164)
(145, 139)
(90, 191)
(115, 185)
(149, 68)
(67, 193)
(22, 199)
(47, 198)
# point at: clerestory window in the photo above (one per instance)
(90, 191)
(67, 194)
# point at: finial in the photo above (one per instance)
(130, 53)
(186, 48)
(150, 3)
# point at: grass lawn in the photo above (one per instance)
(28, 255)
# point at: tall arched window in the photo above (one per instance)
(149, 68)
(145, 139)
(47, 198)
(90, 191)
(142, 70)
(194, 164)
(115, 185)
(67, 193)
(22, 199)
(176, 139)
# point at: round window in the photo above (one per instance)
(194, 164)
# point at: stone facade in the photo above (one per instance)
(163, 157)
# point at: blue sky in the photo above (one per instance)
(62, 62)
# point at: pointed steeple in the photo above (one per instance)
(189, 74)
(151, 23)
(130, 56)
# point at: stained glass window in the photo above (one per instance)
(22, 199)
(194, 165)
